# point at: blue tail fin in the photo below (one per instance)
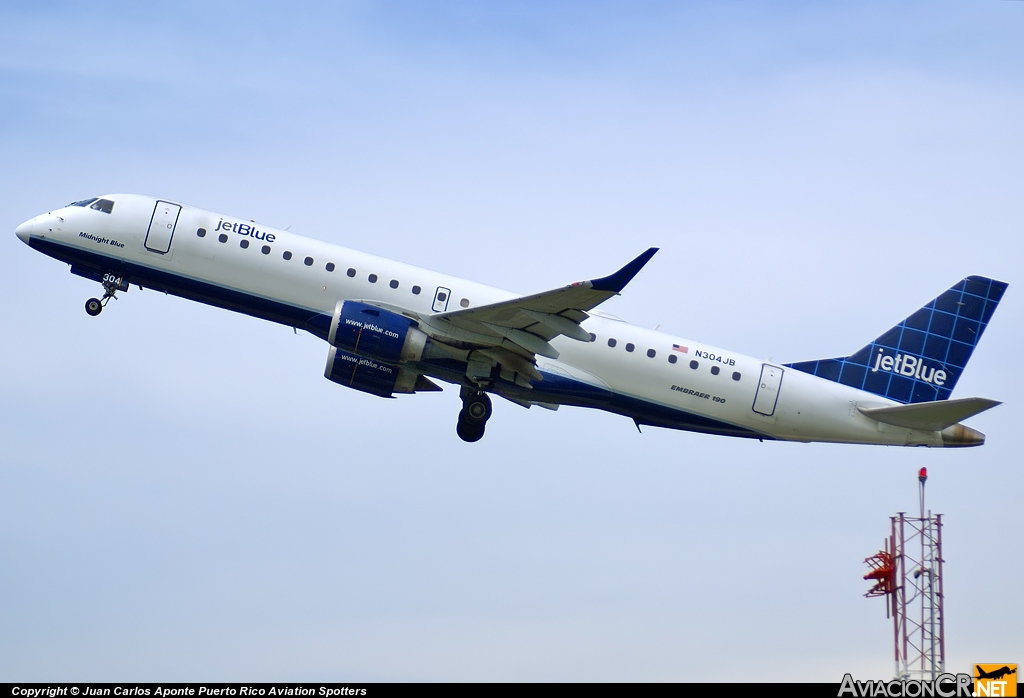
(921, 359)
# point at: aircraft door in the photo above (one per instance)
(441, 296)
(161, 226)
(768, 390)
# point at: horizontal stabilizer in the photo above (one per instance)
(930, 416)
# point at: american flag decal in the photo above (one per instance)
(680, 347)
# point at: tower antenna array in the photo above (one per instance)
(908, 573)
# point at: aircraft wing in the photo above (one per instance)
(527, 324)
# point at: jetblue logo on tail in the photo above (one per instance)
(908, 366)
(920, 359)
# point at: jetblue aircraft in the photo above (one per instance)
(392, 328)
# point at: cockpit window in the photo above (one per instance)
(84, 202)
(105, 205)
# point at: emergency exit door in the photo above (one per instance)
(441, 296)
(767, 395)
(161, 226)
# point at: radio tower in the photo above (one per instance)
(908, 572)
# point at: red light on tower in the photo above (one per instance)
(922, 475)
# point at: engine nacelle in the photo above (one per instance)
(365, 330)
(371, 376)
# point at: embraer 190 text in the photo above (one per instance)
(392, 328)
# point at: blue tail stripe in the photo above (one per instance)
(920, 359)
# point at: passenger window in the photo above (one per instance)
(736, 375)
(394, 283)
(416, 290)
(201, 232)
(222, 237)
(308, 261)
(464, 302)
(593, 337)
(715, 370)
(243, 243)
(651, 353)
(351, 272)
(629, 346)
(612, 342)
(265, 249)
(105, 205)
(694, 365)
(330, 266)
(287, 254)
(372, 278)
(671, 358)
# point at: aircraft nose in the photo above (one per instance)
(24, 230)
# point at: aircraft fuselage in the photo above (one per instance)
(652, 377)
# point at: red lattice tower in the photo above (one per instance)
(908, 572)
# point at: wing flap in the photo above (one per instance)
(527, 340)
(559, 325)
(929, 416)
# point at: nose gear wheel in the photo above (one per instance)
(94, 306)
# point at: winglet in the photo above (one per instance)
(617, 281)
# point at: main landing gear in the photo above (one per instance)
(476, 409)
(111, 284)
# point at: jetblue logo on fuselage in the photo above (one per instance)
(910, 366)
(245, 229)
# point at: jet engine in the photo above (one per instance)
(368, 343)
(374, 377)
(365, 330)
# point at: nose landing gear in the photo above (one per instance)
(111, 285)
(476, 410)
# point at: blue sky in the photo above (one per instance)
(185, 496)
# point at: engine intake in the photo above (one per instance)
(365, 330)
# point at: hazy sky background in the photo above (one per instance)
(185, 497)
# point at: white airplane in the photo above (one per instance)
(392, 327)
